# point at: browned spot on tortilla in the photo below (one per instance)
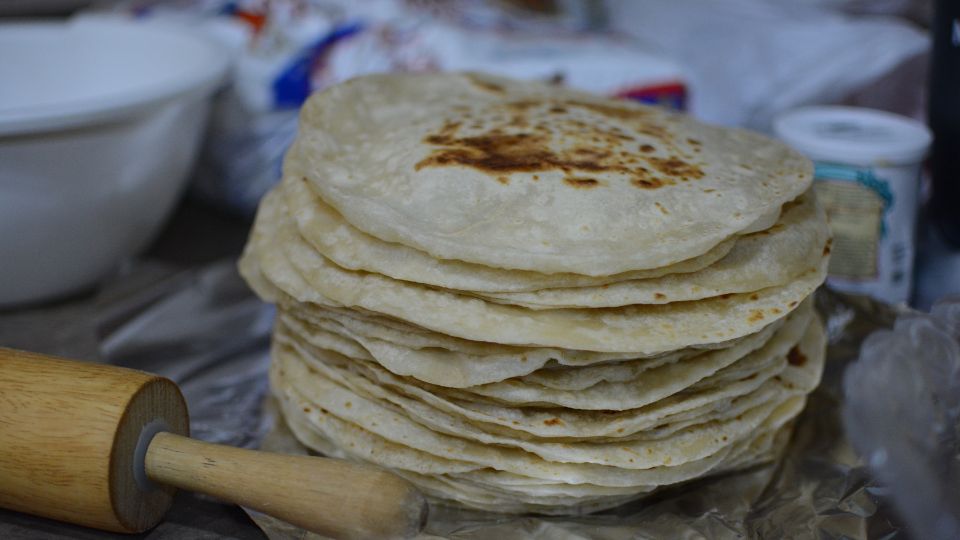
(662, 209)
(324, 411)
(775, 311)
(503, 180)
(650, 183)
(755, 316)
(754, 296)
(536, 177)
(583, 183)
(826, 249)
(306, 409)
(676, 167)
(725, 296)
(694, 142)
(515, 142)
(660, 296)
(795, 357)
(553, 422)
(647, 148)
(348, 404)
(710, 190)
(620, 430)
(792, 303)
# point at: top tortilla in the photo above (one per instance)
(525, 175)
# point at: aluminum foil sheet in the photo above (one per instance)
(208, 333)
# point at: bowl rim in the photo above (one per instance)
(196, 80)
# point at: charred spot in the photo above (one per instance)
(324, 411)
(557, 109)
(694, 142)
(492, 152)
(591, 153)
(553, 422)
(496, 153)
(676, 167)
(792, 303)
(755, 316)
(795, 357)
(307, 409)
(826, 249)
(503, 180)
(754, 296)
(582, 182)
(648, 183)
(725, 296)
(647, 148)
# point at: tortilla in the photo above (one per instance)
(531, 176)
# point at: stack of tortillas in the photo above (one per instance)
(528, 299)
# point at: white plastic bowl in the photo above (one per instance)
(100, 122)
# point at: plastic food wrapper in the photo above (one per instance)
(910, 437)
(206, 331)
(752, 59)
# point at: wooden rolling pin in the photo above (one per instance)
(105, 447)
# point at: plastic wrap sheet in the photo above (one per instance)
(210, 335)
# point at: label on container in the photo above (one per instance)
(872, 213)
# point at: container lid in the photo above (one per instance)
(853, 135)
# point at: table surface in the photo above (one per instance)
(195, 235)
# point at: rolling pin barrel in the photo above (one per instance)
(106, 447)
(68, 440)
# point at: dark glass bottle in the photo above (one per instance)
(944, 119)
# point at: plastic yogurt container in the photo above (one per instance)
(867, 177)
